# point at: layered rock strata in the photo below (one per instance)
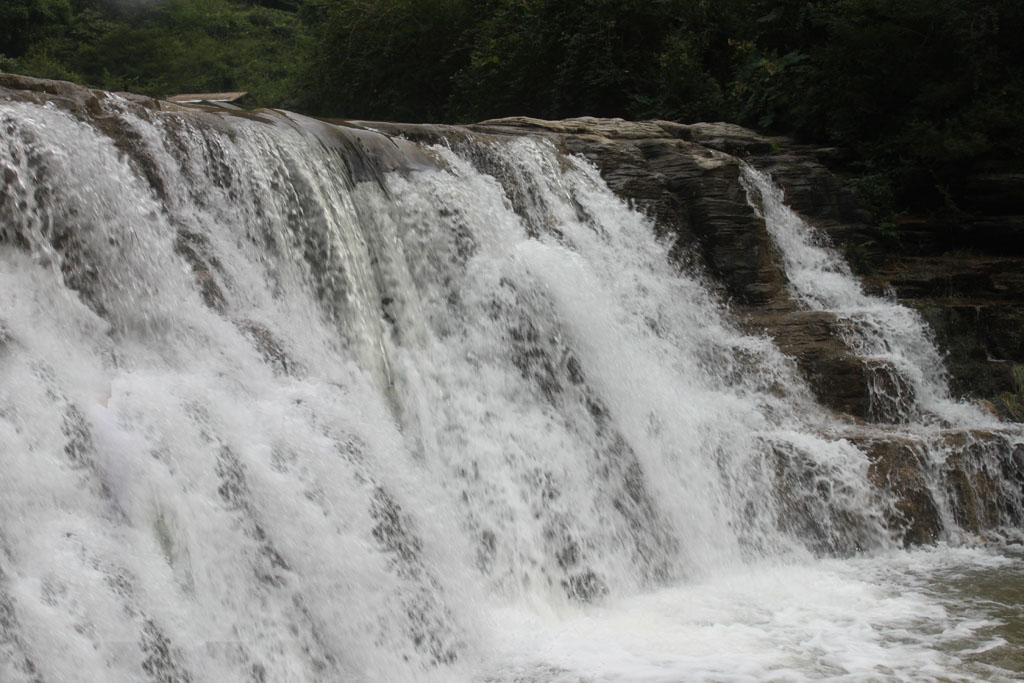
(967, 283)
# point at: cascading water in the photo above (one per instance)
(908, 380)
(914, 385)
(276, 408)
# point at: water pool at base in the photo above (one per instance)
(938, 614)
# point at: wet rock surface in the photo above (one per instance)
(967, 279)
(687, 178)
(978, 486)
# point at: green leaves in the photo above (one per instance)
(919, 90)
(23, 22)
(168, 46)
(387, 59)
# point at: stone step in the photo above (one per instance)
(972, 478)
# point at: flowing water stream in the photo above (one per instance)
(272, 412)
(876, 328)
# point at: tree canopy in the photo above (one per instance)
(918, 90)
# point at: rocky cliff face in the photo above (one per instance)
(967, 280)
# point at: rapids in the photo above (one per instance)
(286, 401)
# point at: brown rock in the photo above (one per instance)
(978, 476)
(898, 467)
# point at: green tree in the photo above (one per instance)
(23, 22)
(168, 46)
(388, 59)
(921, 91)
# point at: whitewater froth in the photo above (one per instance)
(911, 382)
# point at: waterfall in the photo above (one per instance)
(911, 378)
(908, 380)
(282, 400)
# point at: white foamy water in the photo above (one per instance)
(876, 328)
(894, 617)
(268, 413)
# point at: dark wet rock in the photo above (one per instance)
(974, 303)
(979, 481)
(196, 250)
(811, 508)
(892, 396)
(585, 586)
(984, 480)
(268, 345)
(838, 378)
(79, 445)
(391, 529)
(162, 660)
(982, 344)
(12, 648)
(898, 467)
(687, 178)
(269, 566)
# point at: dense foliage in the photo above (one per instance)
(160, 47)
(918, 90)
